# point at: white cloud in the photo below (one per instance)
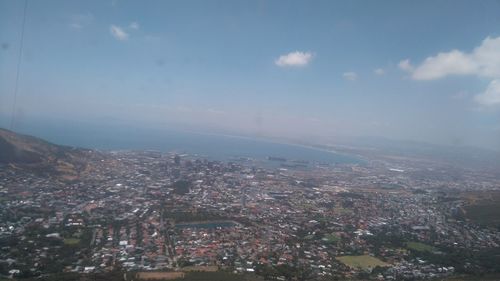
(405, 65)
(483, 61)
(491, 96)
(444, 64)
(351, 76)
(118, 33)
(294, 59)
(379, 71)
(134, 25)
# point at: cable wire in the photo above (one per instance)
(19, 59)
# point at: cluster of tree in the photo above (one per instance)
(116, 275)
(290, 272)
(475, 262)
(181, 187)
(220, 275)
(59, 254)
(385, 239)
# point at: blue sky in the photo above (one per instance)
(418, 70)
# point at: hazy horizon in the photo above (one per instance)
(426, 71)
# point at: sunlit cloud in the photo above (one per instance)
(405, 65)
(294, 59)
(483, 61)
(491, 96)
(379, 71)
(118, 33)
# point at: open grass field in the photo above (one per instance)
(363, 262)
(420, 247)
(207, 268)
(331, 238)
(196, 275)
(71, 241)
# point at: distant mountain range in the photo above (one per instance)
(39, 156)
(468, 157)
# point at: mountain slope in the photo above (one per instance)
(37, 155)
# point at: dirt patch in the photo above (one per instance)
(160, 275)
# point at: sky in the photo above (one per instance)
(412, 70)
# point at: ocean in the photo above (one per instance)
(211, 146)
